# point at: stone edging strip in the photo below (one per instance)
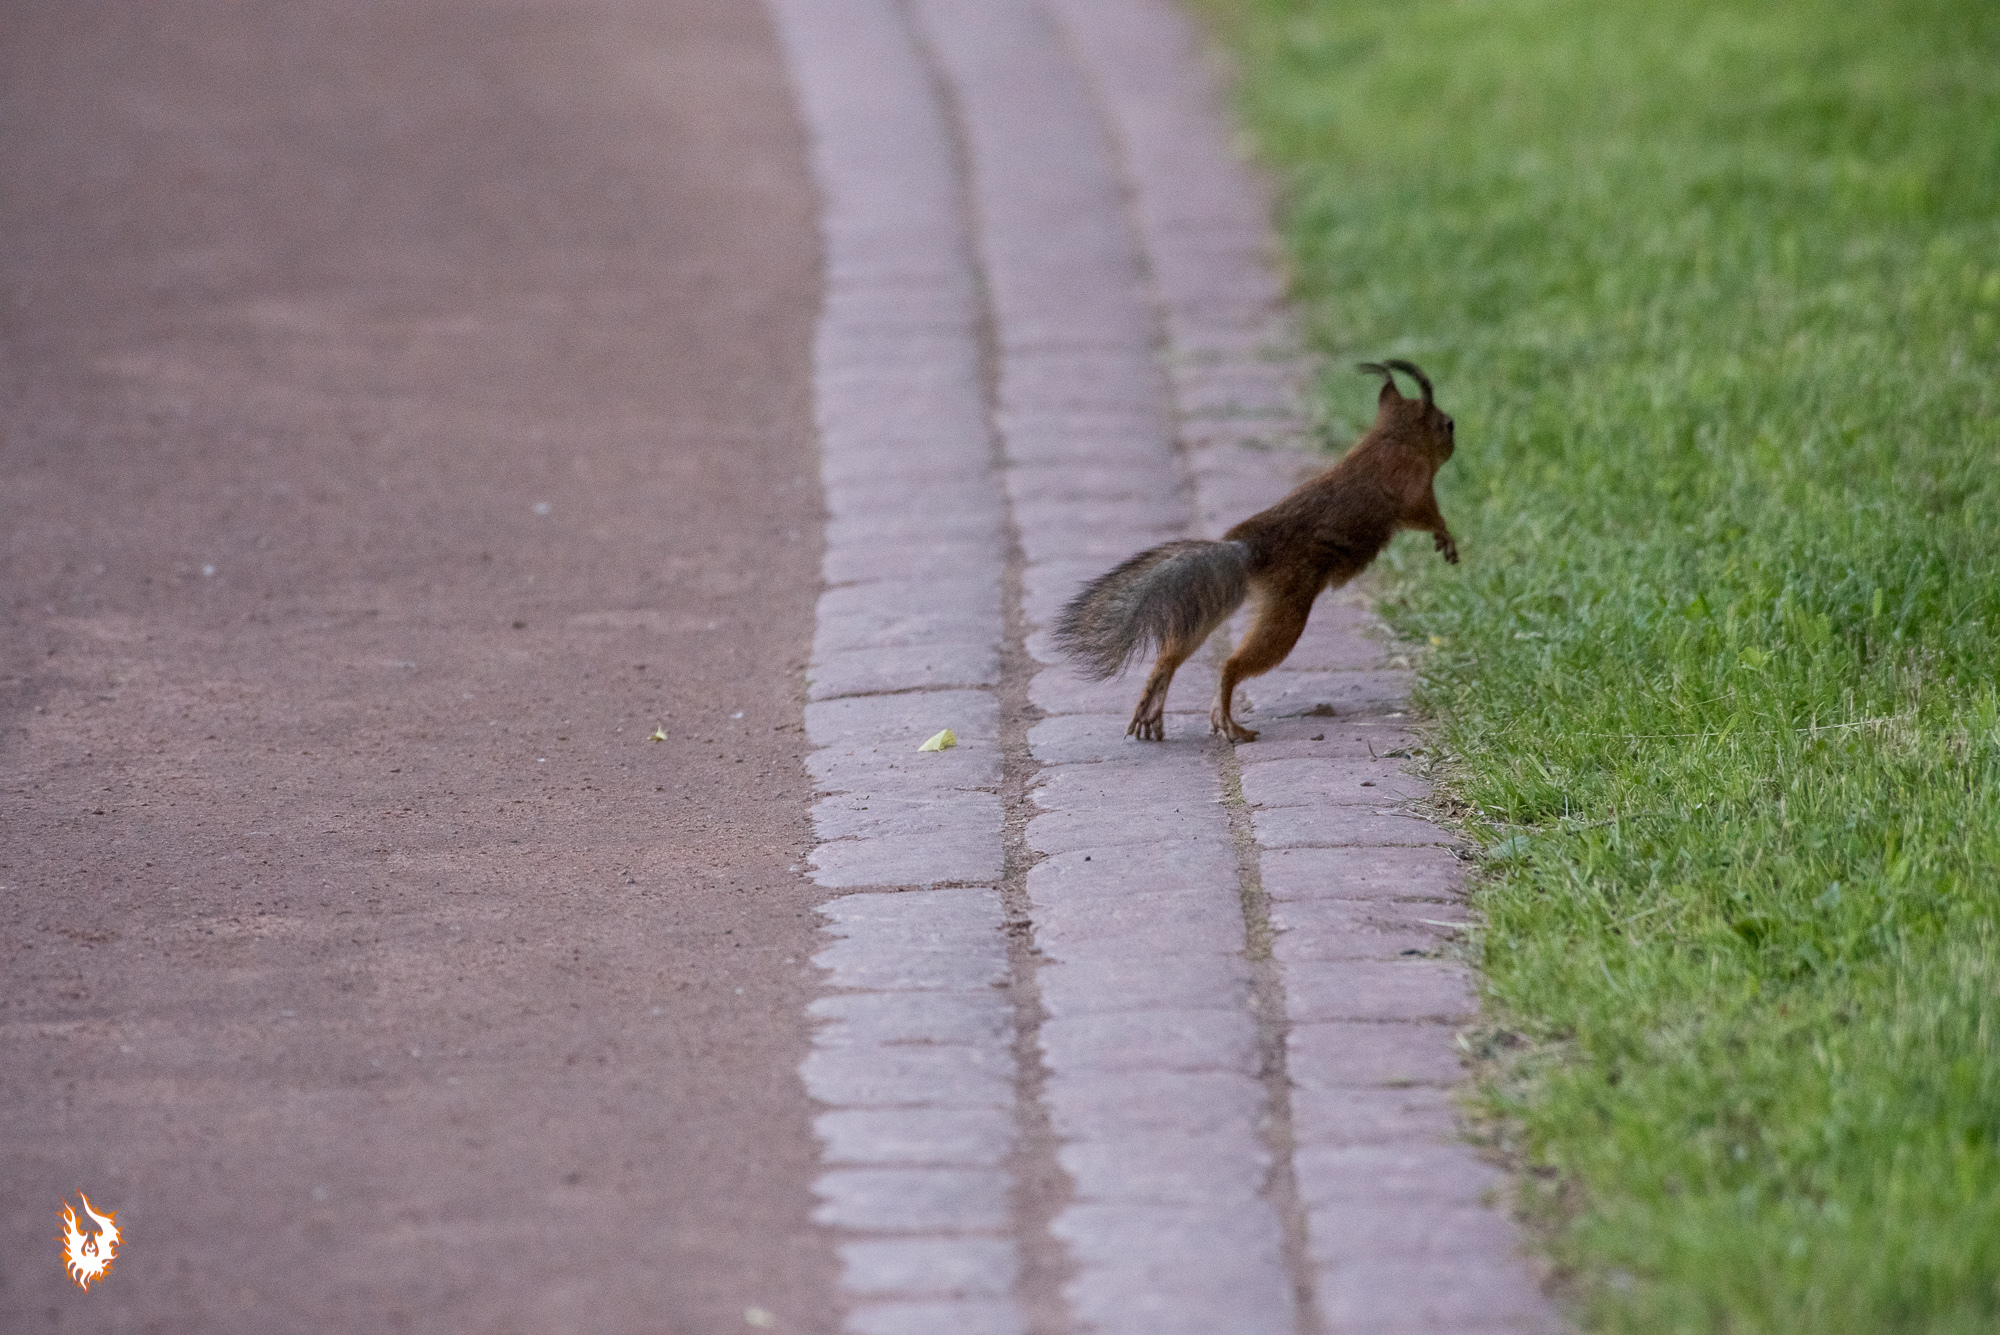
(914, 1056)
(1227, 1034)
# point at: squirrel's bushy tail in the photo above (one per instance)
(1167, 595)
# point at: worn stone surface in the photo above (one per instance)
(913, 1200)
(959, 1137)
(1385, 873)
(931, 1267)
(1414, 989)
(967, 1316)
(1359, 1054)
(1324, 825)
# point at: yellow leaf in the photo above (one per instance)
(944, 741)
(659, 735)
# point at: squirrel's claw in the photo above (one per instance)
(1446, 545)
(1229, 727)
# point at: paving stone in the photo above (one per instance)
(912, 1200)
(870, 720)
(880, 418)
(966, 1316)
(1337, 1054)
(1083, 739)
(1215, 1168)
(1166, 513)
(1057, 690)
(1072, 831)
(1191, 981)
(963, 1137)
(1282, 693)
(863, 962)
(1045, 536)
(1227, 499)
(892, 623)
(865, 462)
(1112, 804)
(1350, 738)
(946, 940)
(927, 859)
(1366, 874)
(1127, 871)
(1153, 1269)
(896, 488)
(1354, 929)
(1340, 826)
(1415, 989)
(1126, 377)
(1114, 932)
(903, 668)
(1349, 1115)
(965, 913)
(1047, 586)
(979, 1018)
(1077, 481)
(1141, 777)
(1087, 1104)
(862, 769)
(938, 1075)
(1034, 439)
(1457, 1294)
(1346, 1233)
(967, 518)
(1435, 1174)
(1298, 783)
(930, 1267)
(1163, 1040)
(939, 555)
(949, 815)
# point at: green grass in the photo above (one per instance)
(1713, 290)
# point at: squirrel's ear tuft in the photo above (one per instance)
(1411, 370)
(1388, 382)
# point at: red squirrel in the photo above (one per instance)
(1322, 535)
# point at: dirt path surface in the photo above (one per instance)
(406, 410)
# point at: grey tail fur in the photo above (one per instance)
(1168, 594)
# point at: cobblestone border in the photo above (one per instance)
(1216, 1074)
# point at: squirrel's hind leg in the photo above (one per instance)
(1281, 619)
(1149, 720)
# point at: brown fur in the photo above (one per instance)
(1319, 537)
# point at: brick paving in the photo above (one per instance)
(1203, 1084)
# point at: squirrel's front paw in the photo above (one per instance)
(1448, 547)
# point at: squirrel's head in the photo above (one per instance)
(1414, 423)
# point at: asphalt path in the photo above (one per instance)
(404, 412)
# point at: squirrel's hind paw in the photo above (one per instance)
(1229, 727)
